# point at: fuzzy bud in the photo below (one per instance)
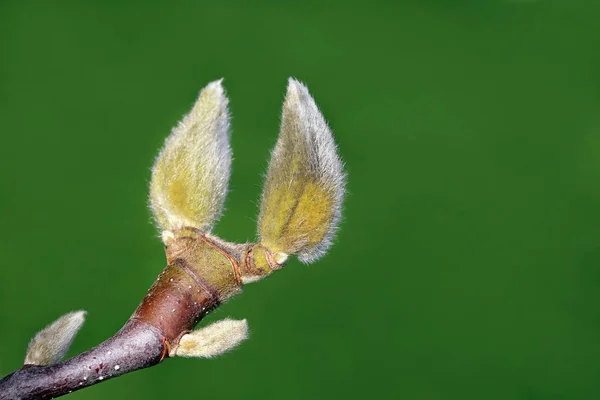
(212, 340)
(52, 343)
(191, 174)
(304, 189)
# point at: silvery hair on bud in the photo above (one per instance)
(310, 135)
(191, 174)
(52, 343)
(324, 161)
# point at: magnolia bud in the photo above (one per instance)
(52, 343)
(212, 340)
(191, 173)
(302, 197)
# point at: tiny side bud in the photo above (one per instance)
(52, 343)
(212, 340)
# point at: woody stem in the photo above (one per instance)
(202, 272)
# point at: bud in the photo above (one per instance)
(304, 189)
(191, 173)
(212, 340)
(52, 343)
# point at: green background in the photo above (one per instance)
(468, 261)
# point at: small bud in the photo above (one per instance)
(302, 197)
(191, 174)
(212, 340)
(52, 343)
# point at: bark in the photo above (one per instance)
(137, 345)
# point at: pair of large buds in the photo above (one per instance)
(304, 187)
(301, 200)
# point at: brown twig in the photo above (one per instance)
(137, 345)
(198, 278)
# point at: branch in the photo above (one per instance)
(202, 273)
(134, 347)
(299, 213)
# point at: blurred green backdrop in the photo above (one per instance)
(468, 263)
